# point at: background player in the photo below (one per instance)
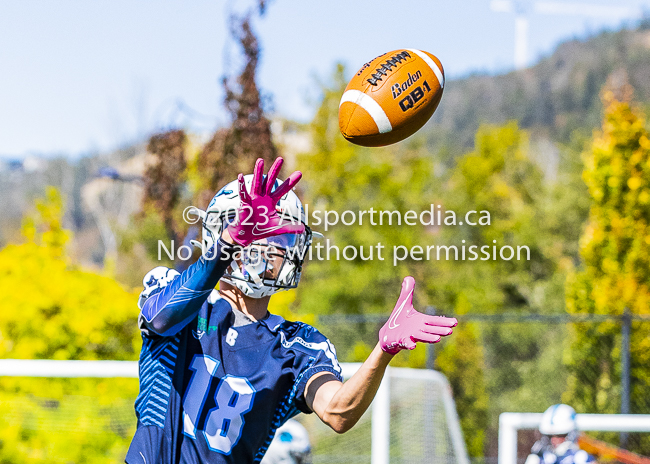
(218, 373)
(289, 446)
(559, 435)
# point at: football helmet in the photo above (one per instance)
(559, 419)
(290, 445)
(266, 266)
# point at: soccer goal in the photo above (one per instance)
(412, 419)
(511, 422)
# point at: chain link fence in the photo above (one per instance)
(596, 363)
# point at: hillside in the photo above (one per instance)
(555, 97)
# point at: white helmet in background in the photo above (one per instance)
(254, 274)
(559, 419)
(290, 445)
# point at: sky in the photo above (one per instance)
(80, 77)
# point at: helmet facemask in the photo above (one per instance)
(266, 266)
(270, 265)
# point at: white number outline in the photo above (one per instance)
(190, 428)
(233, 443)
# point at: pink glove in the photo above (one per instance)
(407, 326)
(256, 217)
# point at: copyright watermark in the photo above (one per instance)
(253, 254)
(326, 250)
(435, 215)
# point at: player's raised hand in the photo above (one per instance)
(406, 326)
(257, 217)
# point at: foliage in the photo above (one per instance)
(342, 177)
(164, 179)
(499, 177)
(52, 310)
(517, 362)
(616, 269)
(46, 227)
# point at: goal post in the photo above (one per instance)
(511, 422)
(412, 418)
(67, 369)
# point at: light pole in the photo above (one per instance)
(522, 10)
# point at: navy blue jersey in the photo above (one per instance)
(211, 392)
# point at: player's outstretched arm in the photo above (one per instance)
(341, 405)
(169, 305)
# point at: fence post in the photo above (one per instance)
(626, 327)
(430, 361)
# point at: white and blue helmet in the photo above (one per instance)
(559, 419)
(290, 445)
(266, 266)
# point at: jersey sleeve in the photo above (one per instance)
(171, 300)
(319, 356)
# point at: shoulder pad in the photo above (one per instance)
(154, 280)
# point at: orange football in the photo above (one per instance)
(391, 97)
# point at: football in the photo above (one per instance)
(391, 97)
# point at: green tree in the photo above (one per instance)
(50, 309)
(616, 269)
(499, 177)
(234, 149)
(340, 176)
(520, 366)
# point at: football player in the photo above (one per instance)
(559, 436)
(218, 373)
(289, 446)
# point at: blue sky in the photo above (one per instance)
(79, 77)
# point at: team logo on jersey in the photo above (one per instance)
(202, 328)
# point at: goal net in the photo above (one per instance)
(412, 419)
